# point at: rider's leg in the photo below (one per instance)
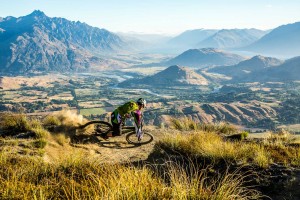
(116, 123)
(117, 129)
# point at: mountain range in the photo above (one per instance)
(170, 77)
(189, 39)
(287, 71)
(37, 42)
(247, 66)
(232, 38)
(281, 41)
(144, 42)
(201, 58)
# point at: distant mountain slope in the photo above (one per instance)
(253, 64)
(140, 41)
(37, 42)
(190, 38)
(201, 58)
(232, 38)
(288, 71)
(172, 76)
(284, 40)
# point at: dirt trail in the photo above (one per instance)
(72, 141)
(115, 149)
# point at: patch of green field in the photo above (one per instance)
(92, 111)
(11, 95)
(86, 92)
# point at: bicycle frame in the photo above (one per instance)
(105, 128)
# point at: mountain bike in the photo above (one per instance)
(102, 127)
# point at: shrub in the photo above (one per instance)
(239, 136)
(244, 134)
(13, 124)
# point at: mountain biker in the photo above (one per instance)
(127, 110)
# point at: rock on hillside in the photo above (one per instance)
(201, 58)
(39, 43)
(247, 66)
(172, 76)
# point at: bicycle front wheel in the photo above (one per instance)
(133, 139)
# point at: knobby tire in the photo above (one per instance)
(131, 138)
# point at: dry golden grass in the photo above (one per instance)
(194, 183)
(13, 124)
(41, 81)
(213, 147)
(81, 177)
(186, 124)
(61, 139)
(78, 175)
(51, 120)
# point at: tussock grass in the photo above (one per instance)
(51, 120)
(184, 124)
(214, 148)
(187, 124)
(61, 139)
(14, 123)
(60, 125)
(194, 183)
(80, 177)
(40, 132)
(39, 143)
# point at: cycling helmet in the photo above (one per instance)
(141, 101)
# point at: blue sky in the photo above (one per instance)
(163, 16)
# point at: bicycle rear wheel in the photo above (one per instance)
(100, 127)
(133, 139)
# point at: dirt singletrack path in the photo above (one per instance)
(114, 150)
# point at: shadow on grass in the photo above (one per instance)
(94, 139)
(117, 145)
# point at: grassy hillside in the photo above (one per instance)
(63, 169)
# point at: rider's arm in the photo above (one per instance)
(137, 115)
